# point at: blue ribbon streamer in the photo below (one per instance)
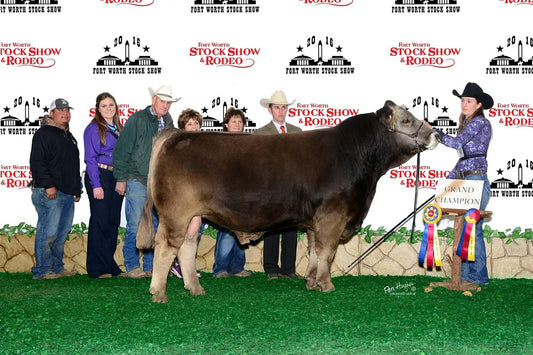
(423, 246)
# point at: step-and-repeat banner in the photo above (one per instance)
(335, 58)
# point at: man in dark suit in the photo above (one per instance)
(278, 106)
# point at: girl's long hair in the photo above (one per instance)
(102, 127)
(463, 120)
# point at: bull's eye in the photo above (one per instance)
(406, 121)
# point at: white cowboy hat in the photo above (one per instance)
(164, 93)
(277, 98)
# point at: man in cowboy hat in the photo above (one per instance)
(277, 106)
(131, 158)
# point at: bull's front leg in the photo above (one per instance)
(164, 255)
(328, 227)
(187, 259)
(310, 274)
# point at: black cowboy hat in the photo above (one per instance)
(475, 91)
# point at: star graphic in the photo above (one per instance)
(500, 49)
(45, 109)
(500, 172)
(339, 49)
(244, 109)
(444, 109)
(106, 49)
(204, 110)
(299, 48)
(6, 109)
(146, 48)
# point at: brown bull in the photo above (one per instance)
(322, 180)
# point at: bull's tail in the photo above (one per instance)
(146, 230)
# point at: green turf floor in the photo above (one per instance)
(365, 315)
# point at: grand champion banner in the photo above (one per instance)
(335, 58)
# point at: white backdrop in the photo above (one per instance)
(228, 54)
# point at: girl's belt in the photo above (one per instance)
(105, 166)
(463, 174)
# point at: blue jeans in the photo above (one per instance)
(54, 222)
(229, 256)
(476, 271)
(135, 197)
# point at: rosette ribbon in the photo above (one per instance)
(467, 244)
(429, 248)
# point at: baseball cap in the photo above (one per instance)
(60, 104)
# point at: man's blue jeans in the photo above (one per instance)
(135, 197)
(229, 256)
(476, 271)
(54, 222)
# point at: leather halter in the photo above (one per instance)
(410, 135)
(391, 128)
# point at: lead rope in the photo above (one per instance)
(386, 235)
(412, 239)
(396, 227)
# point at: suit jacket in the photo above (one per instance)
(288, 236)
(271, 129)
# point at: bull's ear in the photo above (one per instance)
(388, 109)
(389, 104)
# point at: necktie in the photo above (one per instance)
(282, 129)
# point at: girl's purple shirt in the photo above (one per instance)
(96, 153)
(473, 140)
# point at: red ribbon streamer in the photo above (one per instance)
(431, 233)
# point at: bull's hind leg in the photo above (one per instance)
(310, 274)
(187, 258)
(164, 255)
(328, 228)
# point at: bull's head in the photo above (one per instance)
(411, 134)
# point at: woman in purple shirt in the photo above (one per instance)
(472, 143)
(99, 139)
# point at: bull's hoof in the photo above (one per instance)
(327, 288)
(312, 285)
(158, 297)
(197, 291)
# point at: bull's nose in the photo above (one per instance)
(433, 141)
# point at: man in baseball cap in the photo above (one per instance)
(56, 185)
